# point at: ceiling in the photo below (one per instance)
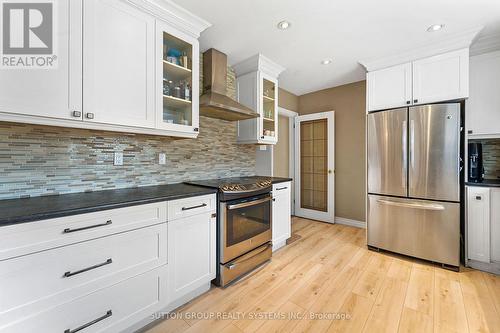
(346, 31)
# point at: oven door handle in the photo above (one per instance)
(248, 204)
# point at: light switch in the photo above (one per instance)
(118, 159)
(162, 158)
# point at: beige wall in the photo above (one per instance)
(348, 102)
(281, 149)
(281, 155)
(287, 100)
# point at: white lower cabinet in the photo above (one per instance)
(69, 271)
(111, 309)
(191, 255)
(478, 223)
(281, 221)
(113, 274)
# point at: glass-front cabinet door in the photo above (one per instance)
(269, 109)
(177, 82)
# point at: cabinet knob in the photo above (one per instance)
(196, 129)
(415, 101)
(77, 114)
(262, 137)
(470, 132)
(89, 115)
(478, 197)
(408, 102)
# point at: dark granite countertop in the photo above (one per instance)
(14, 211)
(277, 180)
(486, 183)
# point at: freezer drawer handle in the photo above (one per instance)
(108, 314)
(411, 205)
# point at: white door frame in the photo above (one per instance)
(291, 149)
(328, 216)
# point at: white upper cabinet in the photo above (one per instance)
(434, 79)
(483, 105)
(111, 64)
(118, 64)
(177, 81)
(257, 88)
(389, 87)
(441, 78)
(55, 92)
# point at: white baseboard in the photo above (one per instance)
(349, 222)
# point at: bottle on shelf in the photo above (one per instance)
(184, 60)
(187, 92)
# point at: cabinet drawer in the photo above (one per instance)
(37, 236)
(111, 309)
(44, 279)
(191, 206)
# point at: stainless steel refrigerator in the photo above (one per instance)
(414, 170)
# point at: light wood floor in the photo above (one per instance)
(328, 271)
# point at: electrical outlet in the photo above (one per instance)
(118, 158)
(162, 158)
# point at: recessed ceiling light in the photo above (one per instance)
(435, 27)
(326, 62)
(283, 25)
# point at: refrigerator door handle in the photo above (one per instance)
(424, 206)
(412, 143)
(405, 154)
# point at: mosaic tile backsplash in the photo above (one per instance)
(491, 158)
(42, 160)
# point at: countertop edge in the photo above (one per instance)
(485, 184)
(284, 180)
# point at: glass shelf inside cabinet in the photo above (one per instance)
(177, 81)
(268, 98)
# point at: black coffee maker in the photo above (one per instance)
(476, 170)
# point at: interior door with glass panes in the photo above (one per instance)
(178, 73)
(315, 166)
(269, 107)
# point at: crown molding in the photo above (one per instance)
(452, 43)
(485, 44)
(175, 15)
(258, 62)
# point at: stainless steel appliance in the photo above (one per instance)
(414, 181)
(476, 169)
(244, 224)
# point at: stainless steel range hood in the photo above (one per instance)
(214, 103)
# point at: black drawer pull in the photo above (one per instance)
(107, 262)
(68, 230)
(194, 207)
(479, 197)
(281, 188)
(108, 314)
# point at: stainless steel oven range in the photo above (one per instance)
(244, 225)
